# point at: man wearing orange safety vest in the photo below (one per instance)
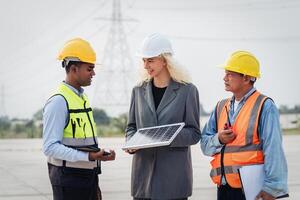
(244, 130)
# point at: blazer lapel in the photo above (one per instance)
(149, 96)
(169, 96)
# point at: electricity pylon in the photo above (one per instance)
(116, 74)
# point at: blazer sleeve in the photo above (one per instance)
(131, 124)
(191, 133)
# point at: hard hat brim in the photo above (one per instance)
(140, 55)
(229, 68)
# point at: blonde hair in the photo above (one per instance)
(177, 72)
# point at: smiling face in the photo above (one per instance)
(155, 66)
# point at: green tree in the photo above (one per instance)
(38, 115)
(4, 125)
(30, 129)
(100, 117)
(120, 122)
(297, 109)
(18, 128)
(283, 109)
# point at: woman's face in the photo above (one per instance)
(155, 65)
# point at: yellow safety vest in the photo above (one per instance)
(80, 130)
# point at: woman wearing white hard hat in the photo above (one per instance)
(164, 96)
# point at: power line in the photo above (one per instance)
(225, 6)
(69, 29)
(238, 38)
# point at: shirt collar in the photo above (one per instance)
(245, 97)
(78, 92)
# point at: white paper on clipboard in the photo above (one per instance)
(252, 177)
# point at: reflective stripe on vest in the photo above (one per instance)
(80, 129)
(78, 164)
(246, 149)
(78, 142)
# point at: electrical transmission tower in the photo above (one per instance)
(115, 75)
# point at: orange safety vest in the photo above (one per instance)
(246, 149)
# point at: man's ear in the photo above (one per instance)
(73, 68)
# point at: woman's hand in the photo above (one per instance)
(130, 151)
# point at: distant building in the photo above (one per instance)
(290, 120)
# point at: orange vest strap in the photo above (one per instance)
(219, 109)
(253, 117)
(248, 147)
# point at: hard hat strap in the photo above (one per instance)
(67, 60)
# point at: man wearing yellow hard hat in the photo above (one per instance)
(69, 131)
(244, 131)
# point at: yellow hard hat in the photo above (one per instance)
(243, 62)
(78, 48)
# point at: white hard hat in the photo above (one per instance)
(154, 45)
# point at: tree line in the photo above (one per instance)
(32, 128)
(107, 126)
(283, 109)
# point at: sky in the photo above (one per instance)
(203, 34)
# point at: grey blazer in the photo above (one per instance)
(164, 172)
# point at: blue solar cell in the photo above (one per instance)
(154, 136)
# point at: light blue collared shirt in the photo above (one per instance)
(275, 164)
(55, 118)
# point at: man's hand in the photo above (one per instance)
(226, 136)
(101, 156)
(264, 196)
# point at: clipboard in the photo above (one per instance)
(252, 178)
(88, 149)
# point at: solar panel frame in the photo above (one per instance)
(141, 140)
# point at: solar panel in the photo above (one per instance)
(153, 136)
